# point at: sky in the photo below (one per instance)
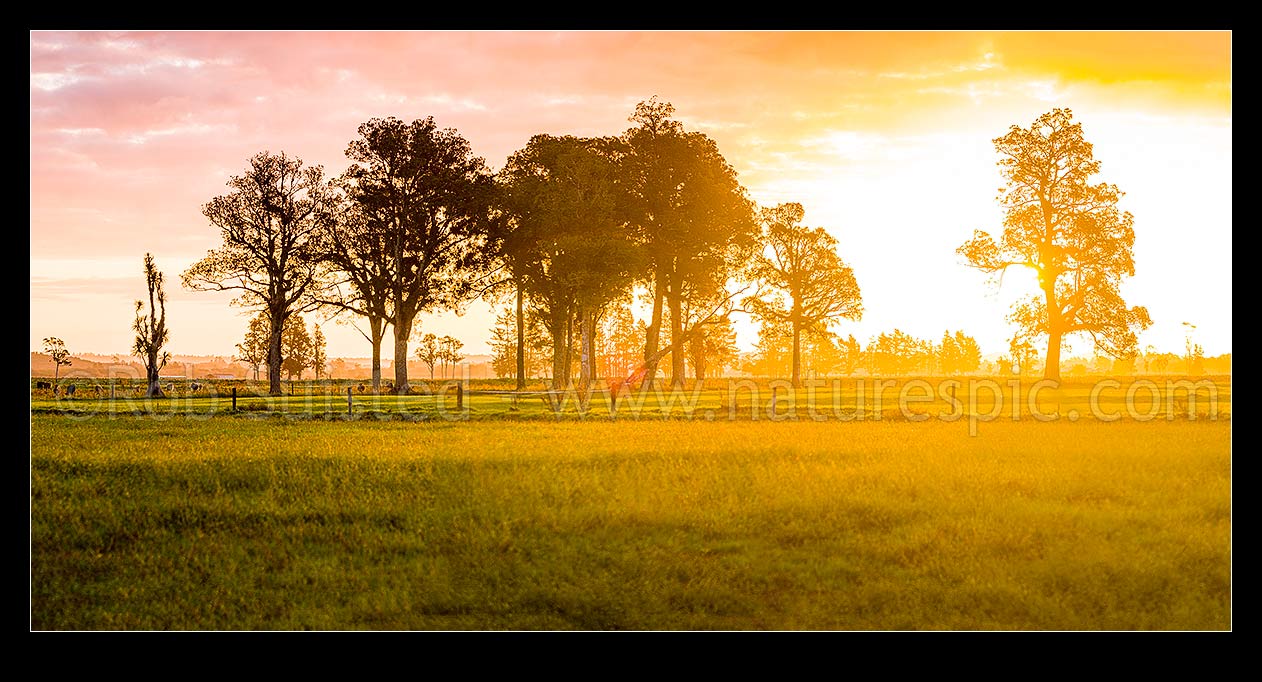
(884, 138)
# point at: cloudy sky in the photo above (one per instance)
(885, 138)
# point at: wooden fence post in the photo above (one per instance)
(348, 401)
(234, 398)
(459, 397)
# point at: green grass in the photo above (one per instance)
(1135, 399)
(277, 523)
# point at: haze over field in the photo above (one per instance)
(884, 138)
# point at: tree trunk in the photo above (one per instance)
(569, 348)
(151, 372)
(402, 329)
(653, 336)
(697, 344)
(377, 328)
(521, 342)
(273, 352)
(585, 357)
(590, 346)
(796, 380)
(1052, 369)
(676, 337)
(558, 356)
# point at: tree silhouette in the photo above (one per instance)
(56, 348)
(690, 213)
(803, 264)
(505, 361)
(430, 200)
(429, 351)
(958, 353)
(449, 352)
(358, 252)
(297, 347)
(1067, 230)
(270, 225)
(253, 349)
(714, 346)
(573, 253)
(151, 330)
(319, 351)
(510, 246)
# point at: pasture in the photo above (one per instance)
(293, 516)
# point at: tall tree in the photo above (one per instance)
(429, 351)
(319, 352)
(510, 246)
(253, 349)
(358, 252)
(151, 330)
(621, 341)
(505, 361)
(577, 254)
(56, 349)
(772, 350)
(430, 198)
(270, 226)
(1067, 230)
(296, 347)
(714, 348)
(803, 264)
(449, 352)
(690, 213)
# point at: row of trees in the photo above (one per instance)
(571, 225)
(826, 353)
(567, 229)
(440, 351)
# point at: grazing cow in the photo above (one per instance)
(70, 390)
(361, 387)
(194, 386)
(45, 384)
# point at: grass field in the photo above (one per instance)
(234, 522)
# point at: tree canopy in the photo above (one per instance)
(1068, 230)
(802, 264)
(270, 224)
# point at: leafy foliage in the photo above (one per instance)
(1070, 232)
(802, 264)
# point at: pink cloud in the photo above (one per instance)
(132, 132)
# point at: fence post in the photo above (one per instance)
(459, 396)
(348, 401)
(234, 398)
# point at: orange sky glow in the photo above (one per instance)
(885, 138)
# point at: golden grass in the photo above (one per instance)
(274, 524)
